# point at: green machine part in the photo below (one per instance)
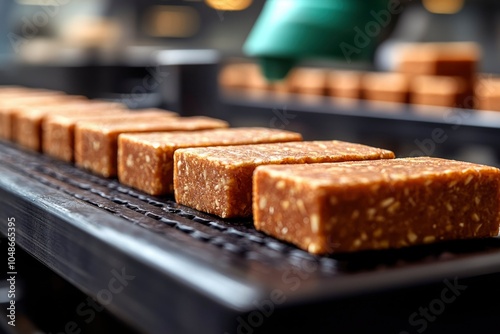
(290, 30)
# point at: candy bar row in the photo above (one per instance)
(326, 196)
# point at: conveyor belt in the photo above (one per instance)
(194, 264)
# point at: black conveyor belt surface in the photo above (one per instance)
(183, 264)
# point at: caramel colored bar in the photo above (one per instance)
(7, 91)
(96, 143)
(488, 93)
(345, 84)
(347, 207)
(20, 92)
(234, 75)
(310, 81)
(10, 104)
(27, 122)
(218, 180)
(449, 59)
(386, 87)
(437, 91)
(9, 88)
(146, 161)
(459, 59)
(58, 135)
(243, 76)
(58, 132)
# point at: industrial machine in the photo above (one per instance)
(287, 32)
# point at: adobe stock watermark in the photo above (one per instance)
(292, 280)
(281, 119)
(87, 310)
(11, 271)
(372, 29)
(150, 82)
(421, 318)
(31, 25)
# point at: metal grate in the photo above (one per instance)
(157, 214)
(205, 248)
(163, 216)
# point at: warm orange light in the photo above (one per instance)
(172, 21)
(229, 4)
(443, 6)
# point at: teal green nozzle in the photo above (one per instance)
(290, 30)
(275, 69)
